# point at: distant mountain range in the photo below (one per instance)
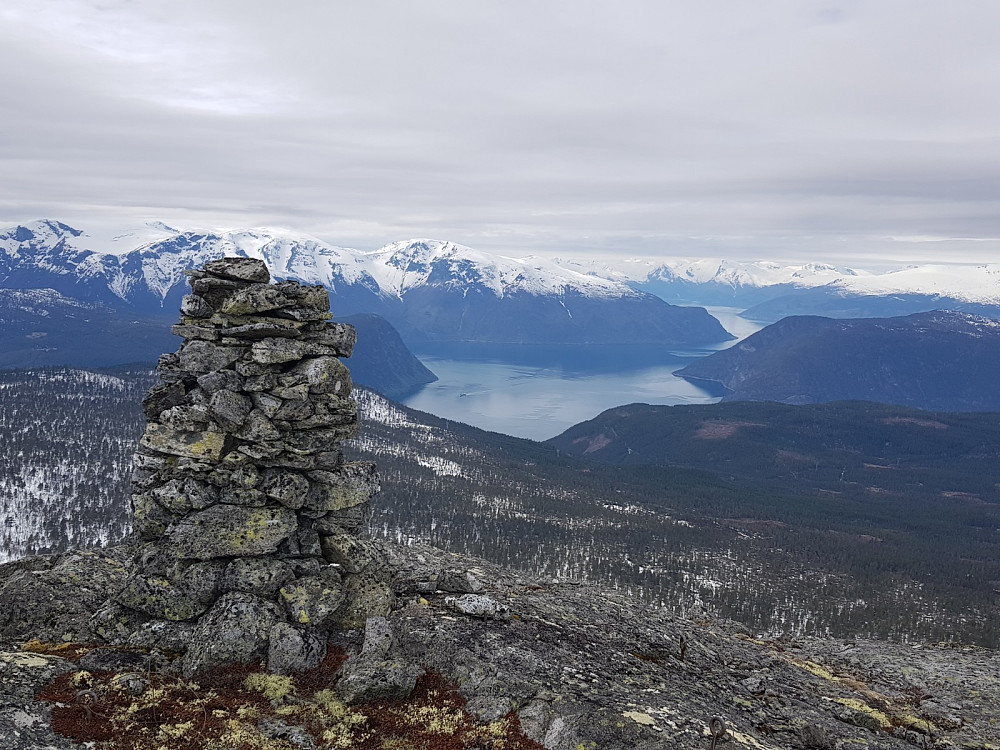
(431, 291)
(947, 361)
(770, 291)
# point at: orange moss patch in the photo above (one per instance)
(68, 650)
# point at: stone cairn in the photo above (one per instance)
(249, 522)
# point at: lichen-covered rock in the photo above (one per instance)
(150, 520)
(26, 724)
(208, 445)
(364, 679)
(350, 552)
(236, 630)
(231, 531)
(366, 595)
(158, 597)
(53, 597)
(324, 375)
(197, 357)
(477, 605)
(292, 649)
(274, 351)
(261, 576)
(229, 409)
(287, 487)
(313, 601)
(238, 269)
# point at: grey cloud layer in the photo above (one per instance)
(776, 128)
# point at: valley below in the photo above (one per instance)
(790, 539)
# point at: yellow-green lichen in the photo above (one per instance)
(853, 703)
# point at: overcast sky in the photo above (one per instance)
(782, 129)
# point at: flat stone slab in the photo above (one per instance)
(207, 445)
(239, 269)
(231, 531)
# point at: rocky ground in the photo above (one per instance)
(580, 667)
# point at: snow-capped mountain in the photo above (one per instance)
(769, 291)
(429, 290)
(452, 293)
(401, 267)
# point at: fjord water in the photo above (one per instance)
(537, 392)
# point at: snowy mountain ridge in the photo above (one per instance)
(153, 257)
(158, 265)
(969, 283)
(401, 266)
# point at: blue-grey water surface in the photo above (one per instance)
(537, 393)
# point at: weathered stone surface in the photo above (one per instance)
(292, 649)
(219, 380)
(262, 329)
(476, 605)
(268, 405)
(351, 485)
(323, 498)
(379, 640)
(238, 269)
(324, 375)
(231, 531)
(26, 724)
(157, 597)
(243, 496)
(365, 679)
(207, 445)
(350, 552)
(171, 636)
(162, 397)
(458, 582)
(257, 428)
(53, 597)
(114, 622)
(254, 300)
(194, 306)
(576, 666)
(197, 357)
(189, 331)
(313, 297)
(313, 601)
(186, 418)
(275, 351)
(366, 595)
(229, 409)
(340, 337)
(317, 440)
(350, 519)
(236, 630)
(150, 520)
(261, 576)
(172, 496)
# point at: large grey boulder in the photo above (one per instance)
(53, 597)
(231, 531)
(236, 630)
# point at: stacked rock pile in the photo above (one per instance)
(250, 523)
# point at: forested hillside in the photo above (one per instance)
(783, 559)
